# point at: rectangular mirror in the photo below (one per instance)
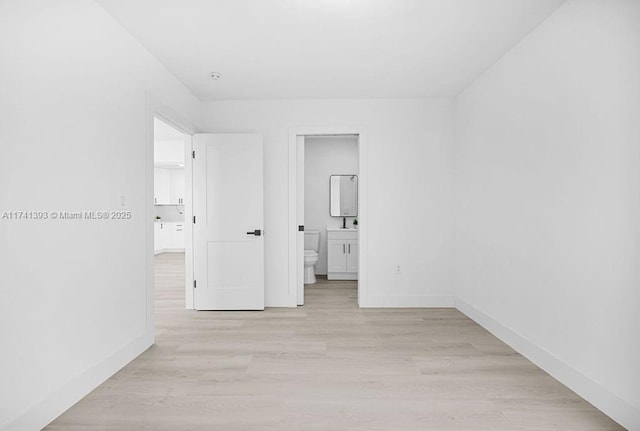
(343, 195)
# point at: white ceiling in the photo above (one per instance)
(328, 48)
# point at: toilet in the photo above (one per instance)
(311, 244)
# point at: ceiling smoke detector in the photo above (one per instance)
(215, 76)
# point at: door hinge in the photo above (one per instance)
(193, 154)
(194, 284)
(194, 219)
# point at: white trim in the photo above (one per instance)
(609, 403)
(363, 203)
(171, 250)
(188, 224)
(151, 108)
(342, 276)
(410, 301)
(41, 414)
(300, 170)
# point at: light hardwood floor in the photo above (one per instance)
(326, 366)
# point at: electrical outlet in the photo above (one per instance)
(398, 269)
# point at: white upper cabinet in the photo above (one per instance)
(176, 186)
(168, 186)
(161, 186)
(168, 160)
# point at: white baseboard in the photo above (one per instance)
(42, 413)
(618, 409)
(409, 301)
(169, 250)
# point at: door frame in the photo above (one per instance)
(363, 202)
(156, 109)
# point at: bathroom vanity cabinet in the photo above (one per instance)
(342, 254)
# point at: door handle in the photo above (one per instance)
(349, 248)
(256, 232)
(344, 249)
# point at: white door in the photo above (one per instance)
(228, 245)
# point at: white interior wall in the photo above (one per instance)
(548, 208)
(323, 157)
(74, 93)
(547, 197)
(409, 158)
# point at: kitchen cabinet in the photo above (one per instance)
(177, 236)
(168, 236)
(168, 186)
(176, 186)
(160, 186)
(157, 235)
(342, 254)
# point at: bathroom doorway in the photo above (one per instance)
(326, 259)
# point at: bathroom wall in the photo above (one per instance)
(325, 156)
(548, 201)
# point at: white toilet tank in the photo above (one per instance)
(311, 240)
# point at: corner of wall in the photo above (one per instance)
(50, 407)
(615, 407)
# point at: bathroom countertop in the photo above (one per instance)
(339, 229)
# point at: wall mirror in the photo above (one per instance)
(343, 191)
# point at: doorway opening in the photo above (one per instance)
(327, 207)
(170, 199)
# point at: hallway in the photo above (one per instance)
(326, 366)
